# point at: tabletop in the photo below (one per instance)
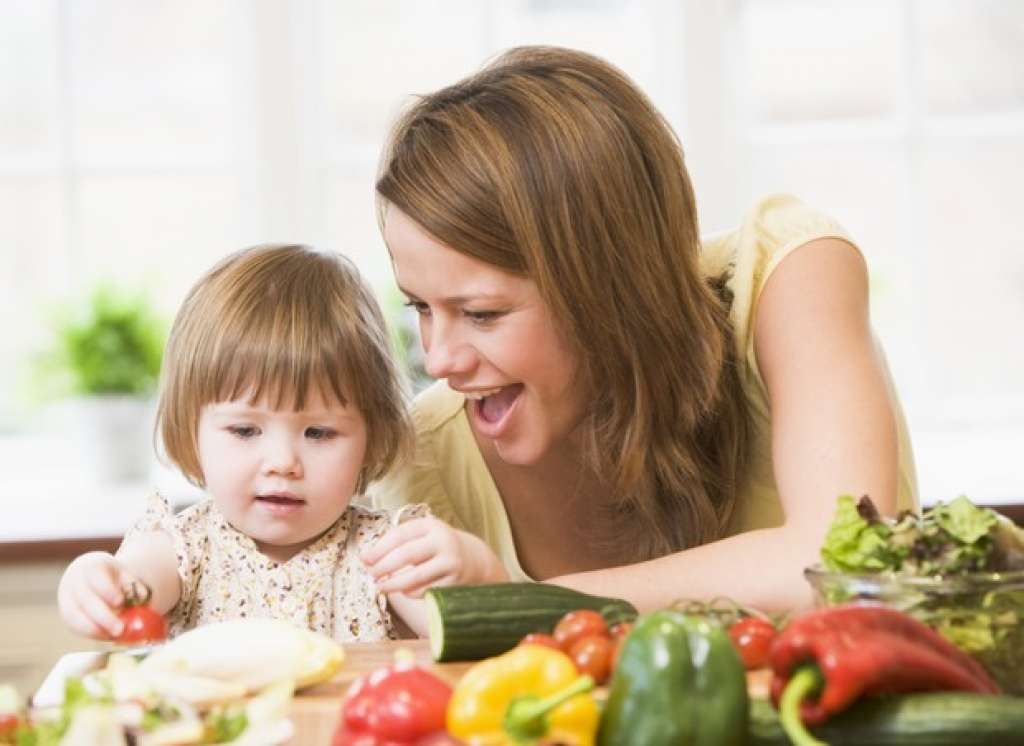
(315, 710)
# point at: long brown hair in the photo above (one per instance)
(276, 320)
(552, 164)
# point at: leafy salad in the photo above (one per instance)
(93, 715)
(204, 686)
(957, 567)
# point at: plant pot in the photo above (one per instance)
(115, 436)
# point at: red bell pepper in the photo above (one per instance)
(864, 650)
(396, 705)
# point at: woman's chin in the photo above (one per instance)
(519, 451)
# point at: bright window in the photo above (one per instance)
(143, 141)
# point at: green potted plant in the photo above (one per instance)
(106, 356)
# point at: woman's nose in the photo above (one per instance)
(445, 355)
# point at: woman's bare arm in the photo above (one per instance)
(833, 432)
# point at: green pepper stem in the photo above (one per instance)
(524, 718)
(534, 709)
(807, 680)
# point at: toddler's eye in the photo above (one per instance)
(243, 431)
(319, 433)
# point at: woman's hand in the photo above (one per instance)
(424, 552)
(91, 592)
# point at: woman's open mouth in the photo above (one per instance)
(492, 413)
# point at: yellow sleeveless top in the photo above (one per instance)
(448, 472)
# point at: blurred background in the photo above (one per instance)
(141, 141)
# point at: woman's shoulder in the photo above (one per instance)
(436, 407)
(446, 470)
(772, 227)
(785, 217)
(747, 256)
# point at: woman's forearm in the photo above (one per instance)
(761, 568)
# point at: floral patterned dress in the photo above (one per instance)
(324, 587)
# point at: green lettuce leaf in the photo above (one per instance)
(964, 520)
(854, 544)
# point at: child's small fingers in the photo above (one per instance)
(405, 555)
(107, 585)
(101, 614)
(82, 623)
(76, 619)
(413, 578)
(394, 537)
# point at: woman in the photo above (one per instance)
(623, 410)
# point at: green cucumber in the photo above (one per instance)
(924, 719)
(471, 622)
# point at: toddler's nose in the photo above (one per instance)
(282, 458)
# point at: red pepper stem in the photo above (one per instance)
(525, 715)
(807, 680)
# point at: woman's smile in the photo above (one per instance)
(492, 414)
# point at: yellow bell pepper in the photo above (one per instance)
(528, 695)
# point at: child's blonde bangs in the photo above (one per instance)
(278, 366)
(287, 319)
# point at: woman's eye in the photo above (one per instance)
(319, 433)
(243, 431)
(419, 307)
(481, 317)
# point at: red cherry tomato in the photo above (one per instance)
(753, 638)
(620, 630)
(579, 624)
(539, 638)
(141, 622)
(593, 655)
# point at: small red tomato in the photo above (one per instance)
(539, 638)
(620, 630)
(141, 622)
(579, 624)
(753, 638)
(593, 655)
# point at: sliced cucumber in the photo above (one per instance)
(471, 622)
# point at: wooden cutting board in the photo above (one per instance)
(315, 710)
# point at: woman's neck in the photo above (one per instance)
(561, 472)
(551, 506)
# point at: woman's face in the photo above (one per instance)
(492, 337)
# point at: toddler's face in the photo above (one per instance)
(279, 476)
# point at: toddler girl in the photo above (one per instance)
(279, 397)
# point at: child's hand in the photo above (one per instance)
(90, 593)
(423, 552)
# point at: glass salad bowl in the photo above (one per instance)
(982, 612)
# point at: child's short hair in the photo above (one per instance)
(272, 321)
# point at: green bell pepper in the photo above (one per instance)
(678, 682)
